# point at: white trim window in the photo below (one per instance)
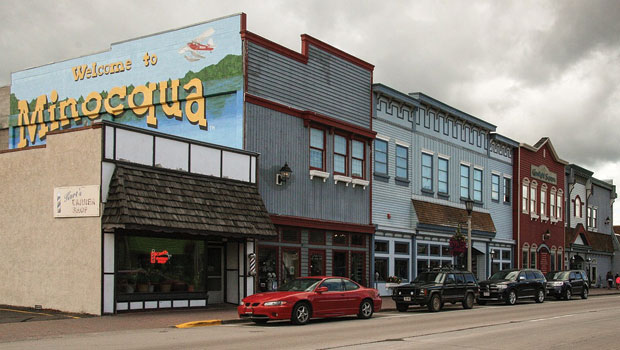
(558, 207)
(525, 256)
(533, 256)
(427, 171)
(495, 187)
(507, 189)
(442, 175)
(464, 181)
(525, 189)
(552, 195)
(477, 185)
(402, 162)
(543, 201)
(381, 157)
(533, 191)
(577, 210)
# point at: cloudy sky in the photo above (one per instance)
(533, 68)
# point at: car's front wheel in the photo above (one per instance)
(568, 294)
(434, 304)
(584, 294)
(365, 309)
(402, 307)
(301, 313)
(540, 296)
(512, 298)
(468, 302)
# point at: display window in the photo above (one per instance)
(339, 263)
(162, 265)
(267, 268)
(290, 264)
(316, 263)
(358, 267)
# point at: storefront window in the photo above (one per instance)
(401, 248)
(381, 269)
(401, 268)
(435, 250)
(381, 247)
(358, 267)
(290, 264)
(340, 239)
(159, 265)
(267, 271)
(422, 266)
(358, 240)
(290, 235)
(422, 249)
(317, 262)
(317, 237)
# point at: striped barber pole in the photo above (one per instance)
(252, 257)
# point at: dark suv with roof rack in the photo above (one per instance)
(436, 287)
(510, 285)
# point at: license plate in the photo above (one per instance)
(407, 298)
(249, 311)
(486, 294)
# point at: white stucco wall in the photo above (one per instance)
(53, 262)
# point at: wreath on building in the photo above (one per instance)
(458, 243)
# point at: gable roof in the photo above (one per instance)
(597, 241)
(544, 141)
(152, 199)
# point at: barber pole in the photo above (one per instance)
(252, 257)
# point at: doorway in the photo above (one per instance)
(215, 274)
(544, 260)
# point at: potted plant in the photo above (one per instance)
(393, 281)
(142, 283)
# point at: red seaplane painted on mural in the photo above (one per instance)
(189, 51)
(160, 257)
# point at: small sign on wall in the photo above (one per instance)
(76, 201)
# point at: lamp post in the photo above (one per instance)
(469, 206)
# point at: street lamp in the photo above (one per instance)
(469, 206)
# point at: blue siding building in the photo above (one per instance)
(428, 158)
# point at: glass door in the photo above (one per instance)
(215, 274)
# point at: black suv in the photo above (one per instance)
(510, 285)
(565, 284)
(434, 288)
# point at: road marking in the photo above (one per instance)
(551, 318)
(199, 324)
(37, 313)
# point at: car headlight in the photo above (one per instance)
(274, 303)
(556, 284)
(501, 286)
(399, 292)
(241, 303)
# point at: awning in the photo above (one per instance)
(444, 217)
(480, 247)
(151, 199)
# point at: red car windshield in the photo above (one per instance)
(300, 285)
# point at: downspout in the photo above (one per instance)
(518, 210)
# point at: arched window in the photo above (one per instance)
(552, 196)
(577, 209)
(559, 205)
(533, 195)
(525, 256)
(533, 256)
(553, 255)
(560, 259)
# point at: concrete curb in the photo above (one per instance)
(204, 323)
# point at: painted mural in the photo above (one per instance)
(186, 82)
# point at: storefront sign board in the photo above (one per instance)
(543, 173)
(76, 201)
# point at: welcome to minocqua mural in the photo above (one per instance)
(186, 82)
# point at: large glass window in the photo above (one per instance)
(464, 181)
(427, 172)
(401, 268)
(478, 185)
(381, 269)
(381, 247)
(339, 264)
(340, 155)
(507, 189)
(533, 257)
(552, 204)
(381, 152)
(317, 262)
(442, 175)
(340, 239)
(357, 168)
(495, 187)
(316, 237)
(317, 147)
(524, 203)
(553, 253)
(267, 268)
(402, 162)
(533, 198)
(290, 264)
(543, 202)
(401, 248)
(358, 240)
(162, 265)
(358, 267)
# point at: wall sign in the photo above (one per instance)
(543, 173)
(76, 201)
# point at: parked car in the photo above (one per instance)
(510, 285)
(304, 298)
(434, 288)
(565, 284)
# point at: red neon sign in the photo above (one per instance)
(160, 257)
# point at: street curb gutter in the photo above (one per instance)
(199, 324)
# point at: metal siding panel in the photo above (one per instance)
(326, 84)
(281, 138)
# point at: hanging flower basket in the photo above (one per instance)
(458, 243)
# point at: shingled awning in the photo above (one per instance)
(433, 214)
(151, 199)
(600, 242)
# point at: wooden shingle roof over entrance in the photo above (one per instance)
(151, 199)
(442, 215)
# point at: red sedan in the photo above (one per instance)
(303, 298)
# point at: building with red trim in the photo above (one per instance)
(540, 214)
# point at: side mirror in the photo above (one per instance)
(321, 290)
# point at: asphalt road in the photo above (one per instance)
(591, 324)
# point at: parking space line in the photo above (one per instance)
(37, 313)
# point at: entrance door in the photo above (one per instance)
(544, 260)
(215, 274)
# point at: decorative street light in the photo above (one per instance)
(469, 206)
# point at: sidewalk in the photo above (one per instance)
(227, 313)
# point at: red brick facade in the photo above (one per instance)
(540, 233)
